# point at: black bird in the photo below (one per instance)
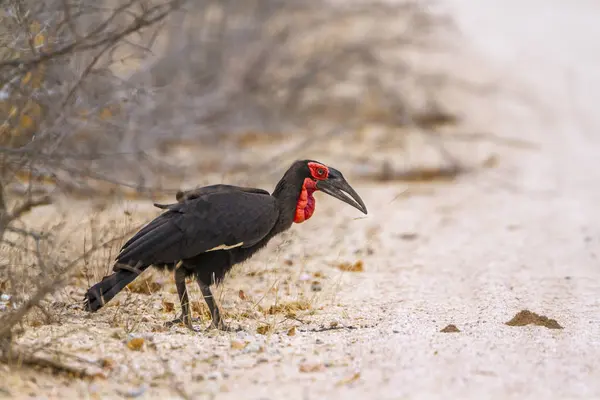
(212, 228)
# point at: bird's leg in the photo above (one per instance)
(217, 321)
(186, 315)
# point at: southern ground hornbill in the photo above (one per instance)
(212, 228)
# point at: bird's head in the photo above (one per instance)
(315, 176)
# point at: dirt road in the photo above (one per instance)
(521, 235)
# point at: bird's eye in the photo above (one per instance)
(320, 171)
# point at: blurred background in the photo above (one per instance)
(111, 97)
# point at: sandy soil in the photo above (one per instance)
(473, 253)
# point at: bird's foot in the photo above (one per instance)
(187, 323)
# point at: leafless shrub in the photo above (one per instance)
(57, 103)
(231, 74)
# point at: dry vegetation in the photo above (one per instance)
(101, 101)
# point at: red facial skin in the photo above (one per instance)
(306, 202)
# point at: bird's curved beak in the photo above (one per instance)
(335, 185)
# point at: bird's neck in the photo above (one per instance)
(296, 200)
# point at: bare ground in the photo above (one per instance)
(521, 234)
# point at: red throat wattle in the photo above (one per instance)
(306, 202)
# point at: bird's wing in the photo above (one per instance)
(184, 195)
(219, 220)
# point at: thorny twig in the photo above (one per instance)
(10, 320)
(87, 43)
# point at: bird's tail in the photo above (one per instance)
(103, 291)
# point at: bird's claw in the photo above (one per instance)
(187, 323)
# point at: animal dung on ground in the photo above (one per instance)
(450, 329)
(526, 317)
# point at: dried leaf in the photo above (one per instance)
(106, 113)
(201, 309)
(144, 286)
(168, 306)
(355, 267)
(238, 344)
(311, 367)
(107, 363)
(35, 27)
(39, 40)
(136, 344)
(25, 80)
(290, 307)
(242, 295)
(25, 122)
(292, 331)
(352, 379)
(263, 329)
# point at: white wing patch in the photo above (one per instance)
(225, 247)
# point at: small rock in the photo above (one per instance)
(252, 348)
(132, 393)
(319, 341)
(408, 236)
(117, 334)
(304, 277)
(214, 376)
